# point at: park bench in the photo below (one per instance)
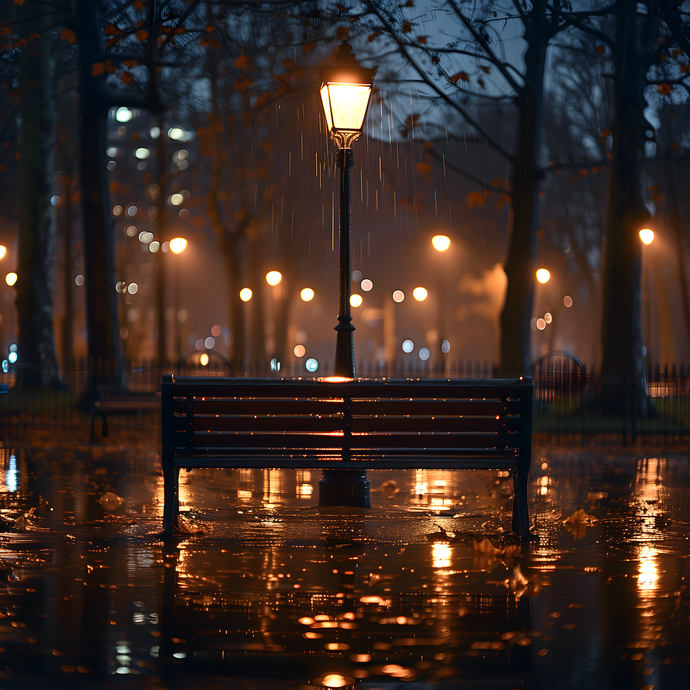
(362, 424)
(108, 402)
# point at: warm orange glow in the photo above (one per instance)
(647, 235)
(307, 295)
(356, 300)
(345, 105)
(204, 360)
(336, 379)
(274, 277)
(420, 294)
(440, 243)
(178, 245)
(543, 276)
(3, 251)
(11, 279)
(245, 294)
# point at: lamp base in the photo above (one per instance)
(344, 488)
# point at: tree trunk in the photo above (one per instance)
(68, 280)
(37, 363)
(516, 355)
(161, 236)
(623, 385)
(105, 364)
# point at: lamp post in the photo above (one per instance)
(345, 93)
(441, 243)
(177, 245)
(647, 237)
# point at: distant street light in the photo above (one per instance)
(440, 242)
(178, 245)
(3, 251)
(307, 295)
(11, 279)
(543, 276)
(420, 294)
(245, 294)
(274, 277)
(647, 235)
(345, 93)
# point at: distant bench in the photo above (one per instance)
(362, 424)
(108, 403)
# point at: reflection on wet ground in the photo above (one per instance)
(426, 589)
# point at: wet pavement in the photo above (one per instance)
(427, 589)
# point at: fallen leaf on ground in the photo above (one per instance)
(185, 526)
(110, 501)
(580, 517)
(485, 546)
(441, 536)
(389, 488)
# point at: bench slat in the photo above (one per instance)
(302, 406)
(389, 462)
(282, 441)
(382, 423)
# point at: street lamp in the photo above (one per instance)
(647, 237)
(441, 243)
(177, 245)
(345, 93)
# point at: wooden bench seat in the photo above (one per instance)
(354, 424)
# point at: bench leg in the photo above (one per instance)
(520, 504)
(171, 506)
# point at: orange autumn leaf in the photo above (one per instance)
(424, 169)
(407, 28)
(436, 59)
(685, 69)
(209, 29)
(18, 2)
(208, 41)
(64, 136)
(138, 5)
(342, 33)
(485, 68)
(676, 145)
(601, 50)
(664, 89)
(68, 35)
(374, 36)
(243, 62)
(142, 35)
(131, 63)
(97, 69)
(127, 77)
(460, 76)
(112, 30)
(475, 199)
(5, 31)
(422, 40)
(309, 47)
(676, 52)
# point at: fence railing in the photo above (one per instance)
(565, 395)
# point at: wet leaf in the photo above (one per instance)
(460, 76)
(485, 546)
(186, 526)
(580, 517)
(110, 501)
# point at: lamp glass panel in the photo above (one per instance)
(326, 106)
(349, 105)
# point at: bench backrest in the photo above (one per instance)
(489, 418)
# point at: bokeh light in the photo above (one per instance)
(420, 294)
(647, 235)
(11, 279)
(245, 294)
(407, 346)
(367, 284)
(398, 296)
(543, 275)
(568, 301)
(440, 242)
(203, 359)
(3, 251)
(307, 295)
(311, 364)
(274, 277)
(356, 300)
(178, 245)
(300, 350)
(424, 354)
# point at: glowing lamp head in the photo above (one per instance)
(440, 243)
(178, 245)
(274, 277)
(245, 294)
(11, 279)
(647, 235)
(420, 294)
(345, 92)
(307, 295)
(543, 276)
